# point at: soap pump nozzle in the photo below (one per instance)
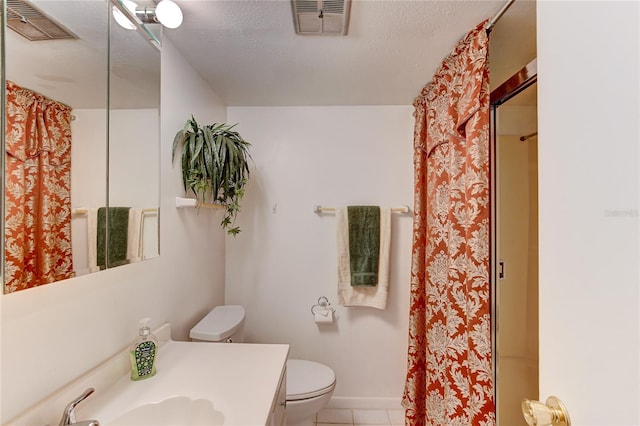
(144, 327)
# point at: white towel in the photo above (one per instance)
(134, 235)
(374, 297)
(92, 239)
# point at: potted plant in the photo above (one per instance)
(215, 164)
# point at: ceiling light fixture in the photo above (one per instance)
(169, 14)
(121, 18)
(166, 13)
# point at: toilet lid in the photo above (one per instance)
(219, 324)
(308, 379)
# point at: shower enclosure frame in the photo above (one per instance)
(518, 82)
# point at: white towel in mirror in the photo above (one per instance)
(134, 235)
(92, 239)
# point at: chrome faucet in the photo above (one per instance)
(68, 417)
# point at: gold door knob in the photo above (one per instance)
(553, 413)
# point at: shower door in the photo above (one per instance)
(515, 244)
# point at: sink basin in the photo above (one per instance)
(179, 410)
(197, 384)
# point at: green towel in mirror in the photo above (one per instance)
(364, 244)
(118, 229)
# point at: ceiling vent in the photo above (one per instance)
(321, 17)
(32, 24)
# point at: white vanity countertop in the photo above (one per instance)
(240, 379)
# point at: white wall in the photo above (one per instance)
(53, 333)
(285, 258)
(588, 96)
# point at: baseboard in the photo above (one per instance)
(365, 403)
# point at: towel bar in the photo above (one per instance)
(82, 210)
(320, 209)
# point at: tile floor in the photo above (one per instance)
(359, 417)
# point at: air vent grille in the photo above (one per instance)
(304, 6)
(321, 17)
(333, 6)
(32, 24)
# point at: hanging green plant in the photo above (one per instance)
(215, 164)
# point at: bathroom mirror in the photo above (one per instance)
(134, 133)
(110, 78)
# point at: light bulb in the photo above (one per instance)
(169, 14)
(121, 19)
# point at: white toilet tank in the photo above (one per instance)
(223, 324)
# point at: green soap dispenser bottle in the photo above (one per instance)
(143, 353)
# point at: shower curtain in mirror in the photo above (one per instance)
(37, 190)
(449, 372)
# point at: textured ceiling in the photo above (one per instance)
(249, 53)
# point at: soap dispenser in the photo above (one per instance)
(143, 353)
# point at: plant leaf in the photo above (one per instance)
(215, 161)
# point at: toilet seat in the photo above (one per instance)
(308, 379)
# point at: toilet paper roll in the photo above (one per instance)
(323, 316)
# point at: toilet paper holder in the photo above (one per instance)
(323, 304)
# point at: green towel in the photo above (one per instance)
(118, 229)
(364, 244)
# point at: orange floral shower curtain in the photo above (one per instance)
(449, 374)
(37, 190)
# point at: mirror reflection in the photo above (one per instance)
(82, 142)
(134, 135)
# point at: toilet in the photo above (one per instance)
(309, 384)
